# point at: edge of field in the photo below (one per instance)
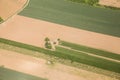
(27, 2)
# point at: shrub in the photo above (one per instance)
(48, 45)
(47, 39)
(1, 19)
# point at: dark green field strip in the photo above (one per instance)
(91, 50)
(70, 55)
(81, 16)
(91, 60)
(8, 74)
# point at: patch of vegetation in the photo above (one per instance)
(89, 2)
(91, 50)
(1, 19)
(67, 54)
(48, 45)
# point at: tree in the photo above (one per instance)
(59, 41)
(47, 39)
(48, 45)
(1, 19)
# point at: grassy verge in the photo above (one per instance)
(91, 50)
(94, 3)
(8, 74)
(70, 55)
(89, 2)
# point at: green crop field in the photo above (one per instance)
(76, 15)
(72, 55)
(91, 50)
(91, 60)
(8, 74)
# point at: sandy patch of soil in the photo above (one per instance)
(38, 67)
(10, 7)
(113, 3)
(33, 31)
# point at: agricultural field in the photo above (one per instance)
(13, 75)
(91, 50)
(73, 39)
(73, 55)
(25, 64)
(12, 7)
(100, 20)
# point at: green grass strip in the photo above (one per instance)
(91, 50)
(8, 74)
(70, 55)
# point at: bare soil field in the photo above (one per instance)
(113, 3)
(33, 31)
(10, 7)
(38, 67)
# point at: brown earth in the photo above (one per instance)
(32, 31)
(10, 7)
(113, 3)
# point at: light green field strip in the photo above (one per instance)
(101, 20)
